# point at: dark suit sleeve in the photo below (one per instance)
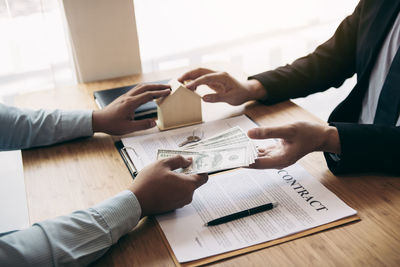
(366, 148)
(328, 66)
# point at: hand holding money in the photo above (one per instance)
(227, 150)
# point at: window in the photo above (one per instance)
(33, 48)
(254, 35)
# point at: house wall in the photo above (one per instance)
(181, 108)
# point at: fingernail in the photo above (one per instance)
(206, 98)
(152, 123)
(252, 133)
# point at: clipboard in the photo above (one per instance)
(126, 158)
(256, 247)
(130, 164)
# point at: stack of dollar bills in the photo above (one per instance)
(227, 150)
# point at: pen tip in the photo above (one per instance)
(206, 224)
(274, 204)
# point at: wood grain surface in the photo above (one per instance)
(77, 174)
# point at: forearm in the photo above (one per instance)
(22, 129)
(76, 239)
(256, 90)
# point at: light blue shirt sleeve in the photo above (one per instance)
(24, 128)
(74, 240)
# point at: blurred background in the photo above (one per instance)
(254, 35)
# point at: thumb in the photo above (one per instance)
(268, 132)
(212, 98)
(199, 179)
(178, 161)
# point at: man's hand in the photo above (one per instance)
(118, 117)
(296, 140)
(227, 89)
(159, 189)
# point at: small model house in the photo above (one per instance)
(181, 108)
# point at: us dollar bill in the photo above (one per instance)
(232, 135)
(210, 160)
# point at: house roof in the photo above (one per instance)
(175, 87)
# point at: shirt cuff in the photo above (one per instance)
(77, 123)
(121, 213)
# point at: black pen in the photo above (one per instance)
(242, 214)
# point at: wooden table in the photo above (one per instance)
(76, 175)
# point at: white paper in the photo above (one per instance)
(303, 203)
(13, 205)
(143, 149)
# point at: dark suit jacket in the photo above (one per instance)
(353, 49)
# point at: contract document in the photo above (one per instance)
(303, 203)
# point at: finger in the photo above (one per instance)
(145, 97)
(144, 124)
(207, 79)
(262, 152)
(199, 179)
(267, 150)
(178, 161)
(194, 74)
(268, 163)
(212, 98)
(269, 132)
(147, 87)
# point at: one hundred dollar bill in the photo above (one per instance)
(210, 160)
(230, 135)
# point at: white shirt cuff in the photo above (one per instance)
(121, 213)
